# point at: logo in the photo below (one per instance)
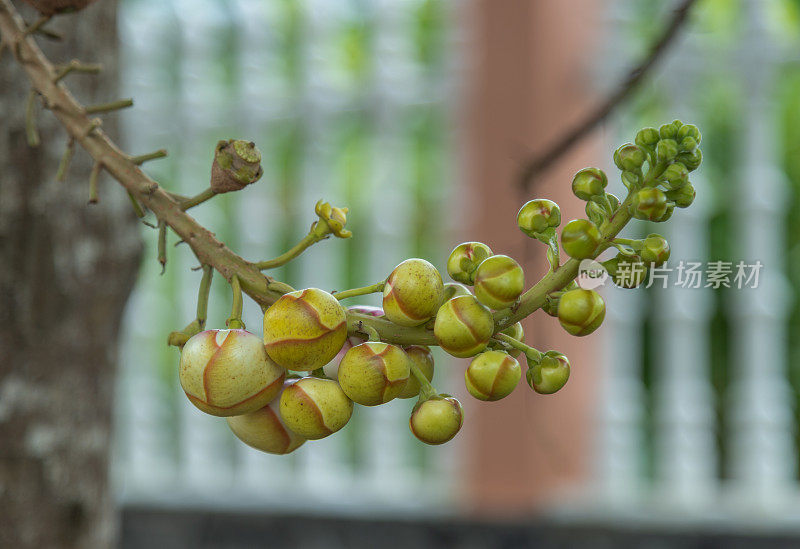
(591, 274)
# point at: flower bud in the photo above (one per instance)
(499, 281)
(535, 216)
(670, 131)
(675, 176)
(454, 289)
(691, 160)
(682, 197)
(436, 420)
(689, 130)
(647, 137)
(581, 311)
(331, 220)
(412, 293)
(515, 331)
(463, 326)
(374, 373)
(666, 150)
(589, 183)
(687, 144)
(423, 358)
(668, 213)
(655, 249)
(236, 165)
(492, 375)
(315, 408)
(550, 374)
(629, 157)
(464, 260)
(264, 430)
(304, 329)
(227, 372)
(649, 204)
(580, 238)
(626, 271)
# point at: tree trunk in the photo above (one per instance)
(66, 270)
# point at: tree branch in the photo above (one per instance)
(544, 160)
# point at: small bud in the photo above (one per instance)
(581, 311)
(454, 289)
(580, 238)
(631, 179)
(647, 137)
(687, 144)
(666, 150)
(670, 131)
(538, 215)
(374, 373)
(412, 293)
(682, 197)
(228, 373)
(499, 281)
(626, 271)
(464, 260)
(423, 358)
(691, 160)
(304, 329)
(492, 375)
(264, 429)
(675, 176)
(315, 408)
(436, 420)
(589, 183)
(668, 213)
(655, 249)
(550, 374)
(463, 326)
(629, 158)
(236, 165)
(649, 204)
(331, 220)
(689, 130)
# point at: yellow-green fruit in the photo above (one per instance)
(412, 292)
(436, 420)
(581, 311)
(422, 357)
(315, 408)
(515, 331)
(304, 329)
(550, 374)
(374, 373)
(464, 259)
(463, 326)
(499, 281)
(228, 372)
(492, 375)
(264, 430)
(454, 289)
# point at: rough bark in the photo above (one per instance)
(66, 270)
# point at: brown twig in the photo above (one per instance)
(544, 160)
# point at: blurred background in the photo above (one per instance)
(679, 425)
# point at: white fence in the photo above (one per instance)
(294, 77)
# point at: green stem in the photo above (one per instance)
(108, 107)
(426, 390)
(359, 291)
(94, 197)
(76, 66)
(66, 158)
(235, 320)
(31, 130)
(197, 199)
(137, 208)
(142, 158)
(202, 295)
(309, 240)
(529, 351)
(162, 244)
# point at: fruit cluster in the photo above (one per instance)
(317, 358)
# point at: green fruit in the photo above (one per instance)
(580, 238)
(436, 420)
(589, 183)
(550, 374)
(649, 204)
(538, 215)
(374, 373)
(463, 326)
(412, 293)
(315, 408)
(499, 281)
(581, 311)
(464, 260)
(492, 375)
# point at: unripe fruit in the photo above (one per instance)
(422, 357)
(550, 374)
(315, 408)
(589, 183)
(236, 165)
(515, 331)
(682, 197)
(227, 372)
(649, 204)
(436, 420)
(264, 430)
(412, 293)
(463, 326)
(454, 289)
(629, 157)
(492, 375)
(580, 238)
(304, 329)
(655, 249)
(464, 259)
(538, 215)
(581, 311)
(374, 373)
(499, 281)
